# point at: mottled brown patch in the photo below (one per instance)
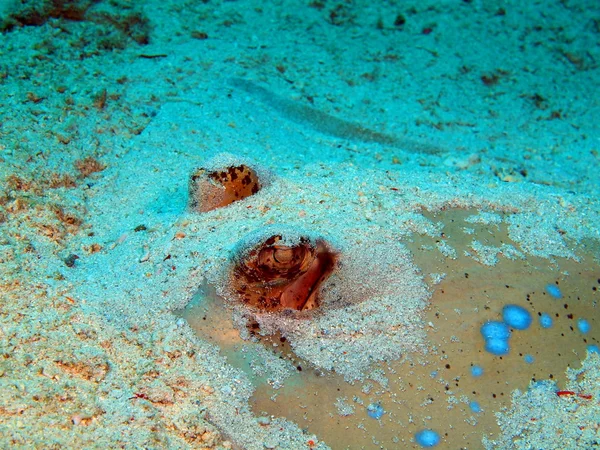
(61, 181)
(94, 369)
(215, 189)
(88, 166)
(18, 183)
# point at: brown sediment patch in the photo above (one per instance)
(210, 319)
(434, 390)
(133, 25)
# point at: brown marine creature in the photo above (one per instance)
(212, 189)
(277, 274)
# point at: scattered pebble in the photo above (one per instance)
(70, 260)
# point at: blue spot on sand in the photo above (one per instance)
(475, 407)
(516, 316)
(476, 371)
(583, 325)
(427, 438)
(528, 359)
(496, 336)
(545, 320)
(553, 290)
(495, 330)
(375, 410)
(593, 348)
(497, 346)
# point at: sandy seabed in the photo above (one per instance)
(449, 151)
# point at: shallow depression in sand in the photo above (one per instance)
(433, 389)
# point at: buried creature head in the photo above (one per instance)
(339, 307)
(281, 269)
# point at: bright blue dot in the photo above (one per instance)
(475, 407)
(495, 330)
(516, 316)
(375, 410)
(427, 438)
(528, 359)
(433, 374)
(545, 320)
(553, 290)
(583, 325)
(476, 371)
(497, 346)
(593, 348)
